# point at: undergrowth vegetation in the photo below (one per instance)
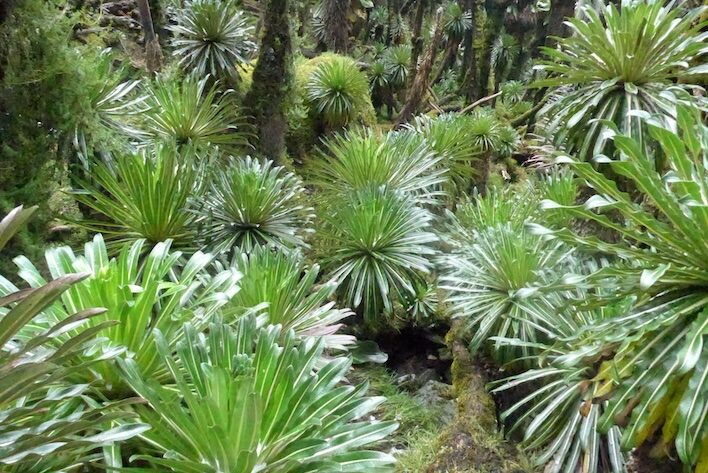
(215, 236)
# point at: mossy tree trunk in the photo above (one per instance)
(472, 443)
(473, 43)
(336, 19)
(272, 81)
(153, 52)
(417, 37)
(421, 81)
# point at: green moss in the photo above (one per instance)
(472, 443)
(415, 439)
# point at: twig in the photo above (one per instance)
(479, 102)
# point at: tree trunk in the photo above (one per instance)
(417, 38)
(337, 25)
(421, 81)
(153, 53)
(5, 9)
(449, 59)
(470, 75)
(272, 81)
(552, 24)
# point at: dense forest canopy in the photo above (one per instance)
(314, 236)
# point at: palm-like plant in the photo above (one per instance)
(499, 206)
(191, 113)
(378, 76)
(253, 203)
(505, 50)
(559, 416)
(513, 91)
(375, 243)
(657, 373)
(212, 37)
(619, 63)
(448, 136)
(111, 102)
(335, 89)
(398, 60)
(483, 130)
(144, 196)
(359, 160)
(508, 141)
(424, 303)
(456, 21)
(142, 297)
(46, 424)
(288, 289)
(496, 284)
(242, 402)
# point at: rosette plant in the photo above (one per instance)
(141, 295)
(335, 91)
(355, 160)
(496, 279)
(253, 203)
(284, 291)
(619, 63)
(558, 416)
(146, 195)
(375, 243)
(652, 371)
(46, 424)
(212, 38)
(398, 61)
(191, 112)
(249, 400)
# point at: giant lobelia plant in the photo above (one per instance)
(651, 360)
(46, 423)
(620, 62)
(160, 291)
(248, 399)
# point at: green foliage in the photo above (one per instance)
(191, 113)
(505, 50)
(559, 418)
(378, 75)
(334, 89)
(398, 60)
(56, 96)
(620, 64)
(265, 406)
(447, 135)
(500, 206)
(253, 203)
(456, 21)
(142, 297)
(144, 196)
(305, 123)
(484, 130)
(375, 244)
(654, 377)
(355, 161)
(513, 91)
(212, 37)
(424, 302)
(508, 140)
(110, 103)
(496, 282)
(285, 291)
(47, 424)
